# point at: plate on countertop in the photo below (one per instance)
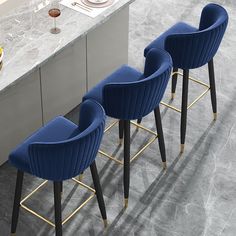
(97, 1)
(107, 3)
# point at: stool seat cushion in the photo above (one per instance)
(56, 130)
(123, 74)
(178, 28)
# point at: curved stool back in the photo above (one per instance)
(133, 100)
(74, 155)
(58, 151)
(192, 50)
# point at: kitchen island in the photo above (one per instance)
(44, 75)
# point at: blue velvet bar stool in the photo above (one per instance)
(192, 48)
(128, 94)
(60, 151)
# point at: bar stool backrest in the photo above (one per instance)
(133, 100)
(193, 50)
(63, 160)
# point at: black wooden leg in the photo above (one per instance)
(61, 187)
(126, 177)
(139, 121)
(99, 194)
(184, 109)
(121, 130)
(57, 207)
(160, 136)
(17, 199)
(212, 87)
(174, 82)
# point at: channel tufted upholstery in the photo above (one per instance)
(128, 94)
(190, 47)
(61, 150)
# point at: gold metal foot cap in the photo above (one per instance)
(105, 223)
(172, 96)
(13, 234)
(181, 148)
(126, 202)
(215, 116)
(120, 141)
(164, 165)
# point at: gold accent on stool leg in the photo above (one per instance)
(126, 202)
(105, 223)
(181, 148)
(215, 116)
(172, 96)
(164, 165)
(13, 234)
(121, 141)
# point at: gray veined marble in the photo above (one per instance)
(197, 194)
(28, 44)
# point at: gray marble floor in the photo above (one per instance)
(197, 194)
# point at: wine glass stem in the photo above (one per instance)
(55, 26)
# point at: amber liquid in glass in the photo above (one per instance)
(54, 12)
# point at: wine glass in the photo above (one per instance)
(54, 12)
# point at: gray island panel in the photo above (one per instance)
(49, 73)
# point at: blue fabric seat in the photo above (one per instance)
(58, 129)
(123, 74)
(128, 94)
(59, 151)
(178, 28)
(192, 48)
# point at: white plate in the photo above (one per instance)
(97, 1)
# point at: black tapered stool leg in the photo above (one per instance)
(121, 130)
(57, 207)
(61, 187)
(174, 82)
(160, 136)
(139, 121)
(184, 109)
(99, 194)
(17, 199)
(212, 87)
(126, 177)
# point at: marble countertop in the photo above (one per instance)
(28, 44)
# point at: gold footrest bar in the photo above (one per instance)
(171, 107)
(69, 216)
(198, 98)
(110, 126)
(151, 140)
